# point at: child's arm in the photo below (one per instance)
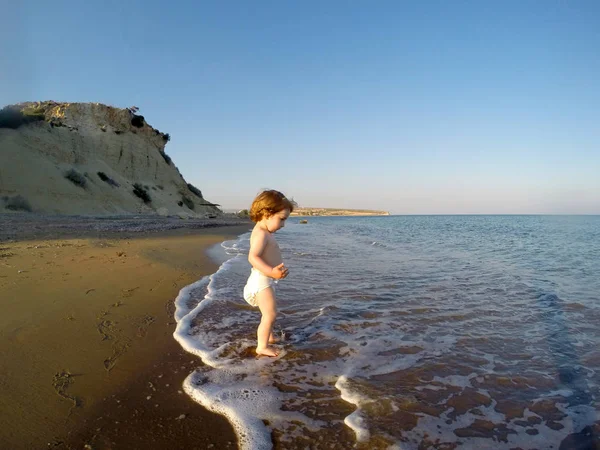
(258, 243)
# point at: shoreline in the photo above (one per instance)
(28, 227)
(87, 338)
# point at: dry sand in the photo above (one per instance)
(88, 356)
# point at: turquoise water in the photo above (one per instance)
(409, 332)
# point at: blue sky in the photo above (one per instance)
(442, 107)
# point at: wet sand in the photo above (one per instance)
(88, 356)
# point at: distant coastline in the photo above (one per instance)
(337, 212)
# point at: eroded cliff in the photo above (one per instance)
(90, 159)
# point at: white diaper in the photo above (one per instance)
(257, 281)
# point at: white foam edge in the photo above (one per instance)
(184, 319)
(252, 434)
(354, 421)
(181, 308)
(208, 356)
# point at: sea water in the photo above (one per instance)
(408, 332)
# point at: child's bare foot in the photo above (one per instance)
(267, 351)
(273, 339)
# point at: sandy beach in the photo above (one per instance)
(88, 357)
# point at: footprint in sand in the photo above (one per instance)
(143, 323)
(128, 292)
(60, 383)
(119, 348)
(106, 328)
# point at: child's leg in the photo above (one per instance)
(268, 308)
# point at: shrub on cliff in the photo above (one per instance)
(166, 136)
(76, 178)
(166, 157)
(13, 116)
(142, 193)
(188, 201)
(16, 203)
(137, 121)
(107, 179)
(35, 112)
(195, 190)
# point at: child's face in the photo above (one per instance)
(277, 220)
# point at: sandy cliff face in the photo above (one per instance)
(89, 158)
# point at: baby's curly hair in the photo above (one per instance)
(269, 202)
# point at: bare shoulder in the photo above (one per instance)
(259, 241)
(259, 237)
(258, 233)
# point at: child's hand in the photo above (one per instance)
(279, 272)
